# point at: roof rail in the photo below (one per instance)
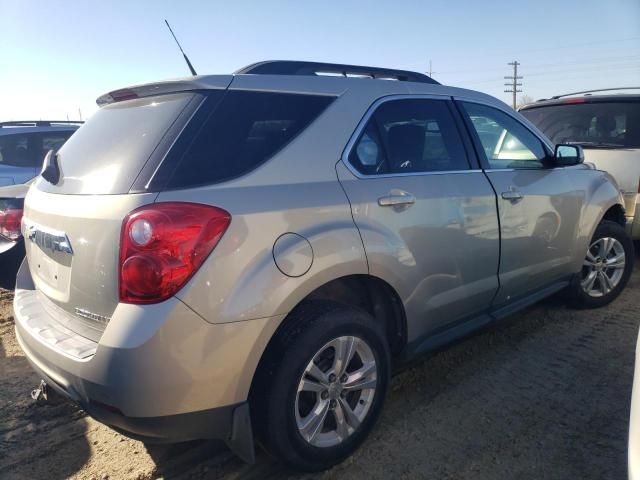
(593, 91)
(39, 123)
(291, 67)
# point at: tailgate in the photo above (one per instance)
(72, 246)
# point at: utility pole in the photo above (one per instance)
(430, 70)
(514, 82)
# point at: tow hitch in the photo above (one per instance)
(40, 393)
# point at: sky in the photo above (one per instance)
(57, 57)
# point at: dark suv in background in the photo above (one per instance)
(24, 144)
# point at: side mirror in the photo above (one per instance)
(567, 155)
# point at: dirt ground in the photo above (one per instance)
(544, 394)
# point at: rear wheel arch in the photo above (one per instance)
(373, 295)
(362, 291)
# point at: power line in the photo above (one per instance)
(514, 82)
(586, 44)
(582, 71)
(623, 66)
(537, 65)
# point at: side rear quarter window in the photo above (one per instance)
(244, 130)
(409, 136)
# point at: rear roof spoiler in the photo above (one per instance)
(272, 67)
(199, 82)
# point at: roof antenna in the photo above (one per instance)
(186, 59)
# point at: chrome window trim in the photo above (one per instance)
(363, 123)
(489, 170)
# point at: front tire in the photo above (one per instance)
(606, 268)
(322, 385)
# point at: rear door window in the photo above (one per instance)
(243, 131)
(409, 136)
(596, 124)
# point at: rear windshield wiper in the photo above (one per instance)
(51, 170)
(597, 144)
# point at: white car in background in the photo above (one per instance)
(607, 126)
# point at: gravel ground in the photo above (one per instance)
(544, 394)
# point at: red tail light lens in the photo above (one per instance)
(163, 245)
(10, 223)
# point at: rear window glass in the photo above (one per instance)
(106, 154)
(244, 130)
(598, 123)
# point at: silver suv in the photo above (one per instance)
(223, 256)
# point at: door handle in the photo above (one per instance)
(512, 195)
(398, 198)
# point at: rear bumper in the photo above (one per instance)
(159, 371)
(211, 423)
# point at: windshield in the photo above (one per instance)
(607, 124)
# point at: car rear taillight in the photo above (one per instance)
(10, 223)
(162, 245)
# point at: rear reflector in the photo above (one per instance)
(162, 245)
(10, 223)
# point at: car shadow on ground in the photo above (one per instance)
(26, 441)
(542, 394)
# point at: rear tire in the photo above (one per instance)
(313, 419)
(606, 268)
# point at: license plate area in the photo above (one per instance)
(50, 258)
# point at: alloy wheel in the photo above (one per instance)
(603, 267)
(336, 391)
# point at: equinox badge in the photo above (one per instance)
(47, 239)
